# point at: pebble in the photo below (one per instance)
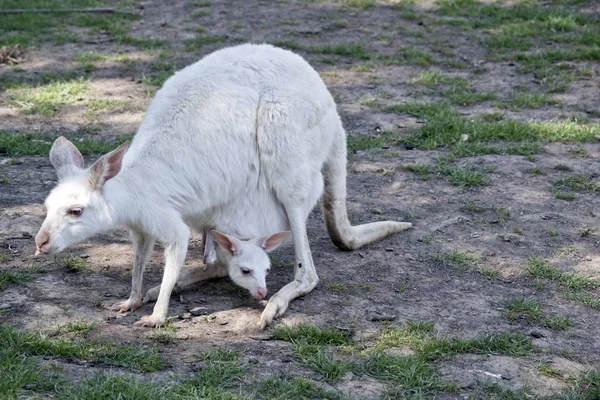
(197, 311)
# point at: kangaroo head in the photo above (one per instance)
(76, 208)
(248, 261)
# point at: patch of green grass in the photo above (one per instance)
(576, 287)
(219, 354)
(81, 327)
(47, 99)
(361, 142)
(412, 56)
(201, 40)
(421, 339)
(495, 391)
(444, 127)
(87, 60)
(35, 29)
(367, 66)
(163, 335)
(564, 195)
(72, 263)
(107, 386)
(585, 298)
(122, 355)
(412, 373)
(219, 373)
(578, 183)
(492, 117)
(530, 100)
(19, 144)
(548, 370)
(419, 169)
(312, 335)
(200, 4)
(587, 230)
(363, 4)
(319, 349)
(322, 360)
(550, 69)
(341, 49)
(527, 309)
(8, 277)
(585, 386)
(465, 96)
(579, 152)
(535, 171)
(289, 44)
(474, 207)
(19, 371)
(457, 259)
(463, 176)
(284, 388)
(541, 268)
(468, 149)
(434, 77)
(502, 215)
(506, 343)
(463, 261)
(338, 287)
(160, 71)
(558, 323)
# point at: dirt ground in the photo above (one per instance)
(405, 276)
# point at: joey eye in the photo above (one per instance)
(75, 211)
(246, 271)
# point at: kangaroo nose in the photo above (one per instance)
(262, 292)
(42, 239)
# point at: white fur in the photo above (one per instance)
(243, 141)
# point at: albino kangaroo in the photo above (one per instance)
(261, 126)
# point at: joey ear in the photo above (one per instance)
(231, 244)
(65, 157)
(270, 243)
(107, 166)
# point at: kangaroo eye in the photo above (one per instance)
(246, 271)
(75, 211)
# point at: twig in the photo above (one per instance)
(62, 10)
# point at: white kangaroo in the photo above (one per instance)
(248, 133)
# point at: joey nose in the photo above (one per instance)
(261, 293)
(42, 239)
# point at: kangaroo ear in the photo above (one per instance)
(107, 166)
(231, 244)
(270, 243)
(65, 157)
